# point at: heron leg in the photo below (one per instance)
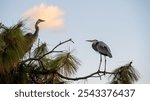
(100, 62)
(105, 66)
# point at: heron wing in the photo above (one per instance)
(103, 49)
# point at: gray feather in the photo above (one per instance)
(102, 48)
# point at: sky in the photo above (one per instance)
(124, 25)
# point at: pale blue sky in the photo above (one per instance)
(123, 24)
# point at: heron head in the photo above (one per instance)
(92, 40)
(40, 20)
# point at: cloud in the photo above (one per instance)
(52, 15)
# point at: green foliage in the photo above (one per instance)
(65, 63)
(124, 75)
(45, 69)
(12, 47)
(40, 50)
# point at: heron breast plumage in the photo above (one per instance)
(102, 48)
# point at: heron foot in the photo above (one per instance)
(104, 72)
(98, 72)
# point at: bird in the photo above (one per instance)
(103, 49)
(31, 38)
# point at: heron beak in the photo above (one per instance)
(89, 40)
(42, 20)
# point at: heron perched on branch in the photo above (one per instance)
(102, 49)
(31, 38)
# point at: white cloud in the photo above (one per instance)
(52, 15)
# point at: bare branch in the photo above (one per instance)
(68, 78)
(55, 48)
(84, 77)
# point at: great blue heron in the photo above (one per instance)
(31, 38)
(102, 49)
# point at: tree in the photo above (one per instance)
(42, 65)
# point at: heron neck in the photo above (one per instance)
(94, 46)
(36, 29)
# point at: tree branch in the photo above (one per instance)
(64, 77)
(84, 77)
(47, 72)
(52, 51)
(55, 48)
